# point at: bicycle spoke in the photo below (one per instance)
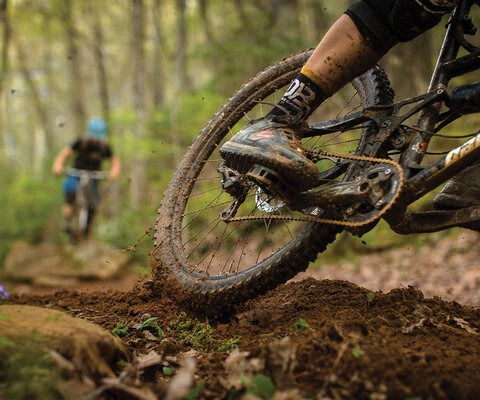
(201, 210)
(202, 241)
(206, 191)
(217, 205)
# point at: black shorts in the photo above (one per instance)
(384, 23)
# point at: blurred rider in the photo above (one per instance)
(88, 153)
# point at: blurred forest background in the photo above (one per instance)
(156, 70)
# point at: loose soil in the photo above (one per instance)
(314, 338)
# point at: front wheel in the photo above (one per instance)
(226, 263)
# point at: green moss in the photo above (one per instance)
(27, 371)
(198, 335)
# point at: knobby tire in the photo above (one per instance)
(227, 289)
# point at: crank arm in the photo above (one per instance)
(433, 221)
(339, 195)
(363, 191)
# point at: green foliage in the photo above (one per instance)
(131, 230)
(198, 335)
(228, 344)
(150, 323)
(236, 55)
(192, 332)
(121, 329)
(301, 324)
(357, 351)
(261, 386)
(195, 392)
(168, 371)
(197, 108)
(370, 296)
(27, 372)
(27, 209)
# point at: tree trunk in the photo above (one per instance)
(44, 139)
(98, 44)
(76, 81)
(4, 70)
(243, 16)
(206, 22)
(138, 167)
(4, 21)
(179, 79)
(158, 77)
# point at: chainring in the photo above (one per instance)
(381, 199)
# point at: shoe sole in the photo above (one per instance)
(243, 157)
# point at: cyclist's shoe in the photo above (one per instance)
(272, 143)
(463, 190)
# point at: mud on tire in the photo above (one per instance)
(215, 263)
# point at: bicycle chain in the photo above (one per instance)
(309, 218)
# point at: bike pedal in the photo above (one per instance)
(272, 182)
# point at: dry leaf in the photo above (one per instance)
(183, 381)
(465, 325)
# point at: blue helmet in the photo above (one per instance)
(97, 128)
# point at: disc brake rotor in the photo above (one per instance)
(267, 203)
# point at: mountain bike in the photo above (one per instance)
(86, 202)
(226, 236)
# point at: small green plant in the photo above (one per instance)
(150, 323)
(121, 329)
(228, 344)
(370, 296)
(195, 392)
(261, 386)
(357, 352)
(168, 371)
(301, 324)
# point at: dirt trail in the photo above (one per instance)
(323, 339)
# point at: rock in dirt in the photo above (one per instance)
(54, 351)
(52, 265)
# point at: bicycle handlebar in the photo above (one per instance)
(85, 172)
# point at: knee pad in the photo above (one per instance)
(384, 23)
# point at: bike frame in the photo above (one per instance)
(85, 198)
(421, 180)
